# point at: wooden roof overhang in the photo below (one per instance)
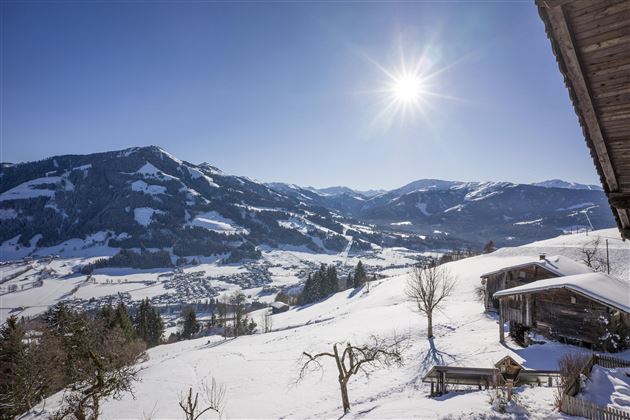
(591, 42)
(508, 294)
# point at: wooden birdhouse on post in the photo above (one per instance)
(509, 370)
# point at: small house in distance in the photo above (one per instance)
(278, 307)
(538, 268)
(591, 310)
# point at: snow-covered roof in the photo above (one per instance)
(278, 305)
(601, 287)
(557, 264)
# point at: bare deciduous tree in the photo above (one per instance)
(570, 366)
(591, 255)
(354, 359)
(427, 288)
(266, 322)
(84, 400)
(213, 395)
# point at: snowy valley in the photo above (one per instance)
(141, 227)
(260, 371)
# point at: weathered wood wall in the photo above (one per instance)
(560, 314)
(512, 278)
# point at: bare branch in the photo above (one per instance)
(310, 362)
(427, 288)
(354, 359)
(213, 395)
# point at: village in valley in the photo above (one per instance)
(179, 291)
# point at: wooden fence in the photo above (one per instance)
(611, 362)
(577, 407)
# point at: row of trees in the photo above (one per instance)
(229, 317)
(96, 355)
(129, 258)
(325, 281)
(320, 284)
(146, 324)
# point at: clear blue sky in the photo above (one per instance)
(282, 91)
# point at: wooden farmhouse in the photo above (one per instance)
(591, 42)
(591, 310)
(536, 268)
(279, 307)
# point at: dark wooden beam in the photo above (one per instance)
(619, 200)
(575, 76)
(558, 3)
(501, 322)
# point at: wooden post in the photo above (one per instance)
(501, 322)
(442, 384)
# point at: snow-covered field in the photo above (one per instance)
(260, 371)
(607, 387)
(571, 246)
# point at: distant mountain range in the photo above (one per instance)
(473, 211)
(558, 183)
(146, 198)
(434, 184)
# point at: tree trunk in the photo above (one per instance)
(429, 324)
(344, 395)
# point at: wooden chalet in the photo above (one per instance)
(279, 307)
(530, 270)
(591, 42)
(582, 309)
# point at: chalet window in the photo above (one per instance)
(522, 274)
(572, 299)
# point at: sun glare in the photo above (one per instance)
(407, 88)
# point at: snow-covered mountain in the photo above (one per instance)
(505, 212)
(146, 198)
(558, 183)
(339, 190)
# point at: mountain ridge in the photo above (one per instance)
(144, 197)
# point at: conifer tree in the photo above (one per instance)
(191, 325)
(489, 248)
(107, 315)
(238, 306)
(320, 284)
(322, 281)
(122, 320)
(12, 357)
(360, 276)
(58, 318)
(332, 280)
(148, 324)
(310, 291)
(11, 349)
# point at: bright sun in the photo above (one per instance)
(407, 88)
